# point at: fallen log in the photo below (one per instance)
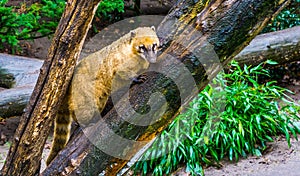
(25, 72)
(281, 46)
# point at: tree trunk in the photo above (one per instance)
(25, 153)
(281, 46)
(25, 73)
(24, 70)
(190, 34)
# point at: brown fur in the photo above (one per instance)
(92, 82)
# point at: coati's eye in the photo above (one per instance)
(142, 48)
(154, 45)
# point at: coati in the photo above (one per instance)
(94, 77)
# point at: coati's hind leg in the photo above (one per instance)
(62, 128)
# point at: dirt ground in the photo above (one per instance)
(280, 160)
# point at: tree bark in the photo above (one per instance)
(24, 70)
(7, 80)
(281, 46)
(25, 73)
(25, 153)
(223, 27)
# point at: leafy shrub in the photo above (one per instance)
(108, 12)
(22, 23)
(287, 18)
(39, 19)
(107, 6)
(251, 117)
(8, 24)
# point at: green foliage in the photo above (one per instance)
(108, 6)
(109, 11)
(7, 25)
(232, 122)
(38, 20)
(287, 18)
(22, 23)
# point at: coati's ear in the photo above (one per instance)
(132, 35)
(153, 28)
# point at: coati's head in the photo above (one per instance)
(145, 43)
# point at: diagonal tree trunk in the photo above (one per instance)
(26, 150)
(202, 36)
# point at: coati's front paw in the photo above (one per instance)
(140, 79)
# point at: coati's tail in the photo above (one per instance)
(62, 128)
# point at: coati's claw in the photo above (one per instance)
(140, 79)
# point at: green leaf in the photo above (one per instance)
(257, 152)
(230, 153)
(271, 62)
(145, 169)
